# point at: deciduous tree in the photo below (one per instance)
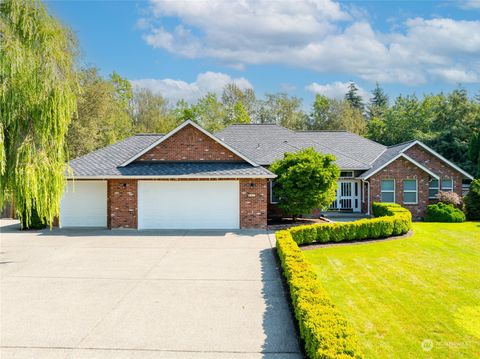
(306, 180)
(38, 86)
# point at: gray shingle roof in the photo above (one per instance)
(350, 144)
(266, 143)
(390, 153)
(106, 162)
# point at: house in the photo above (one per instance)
(190, 178)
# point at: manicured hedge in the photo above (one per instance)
(442, 212)
(323, 329)
(391, 220)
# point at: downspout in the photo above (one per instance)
(368, 197)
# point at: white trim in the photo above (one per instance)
(168, 177)
(408, 159)
(394, 191)
(416, 142)
(410, 191)
(174, 131)
(271, 193)
(437, 188)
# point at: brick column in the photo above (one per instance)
(122, 203)
(253, 203)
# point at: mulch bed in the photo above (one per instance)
(286, 223)
(348, 243)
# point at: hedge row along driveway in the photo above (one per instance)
(323, 329)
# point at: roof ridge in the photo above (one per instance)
(316, 131)
(148, 134)
(401, 143)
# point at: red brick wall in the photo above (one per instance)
(253, 203)
(402, 169)
(189, 144)
(399, 170)
(437, 166)
(122, 203)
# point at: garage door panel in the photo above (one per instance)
(84, 204)
(188, 204)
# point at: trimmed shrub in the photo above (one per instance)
(472, 201)
(442, 212)
(323, 329)
(392, 219)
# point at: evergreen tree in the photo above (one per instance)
(378, 104)
(354, 98)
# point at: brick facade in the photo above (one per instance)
(123, 211)
(399, 170)
(253, 203)
(440, 168)
(187, 145)
(122, 203)
(403, 169)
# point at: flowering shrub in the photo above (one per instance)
(450, 198)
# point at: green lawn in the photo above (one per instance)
(399, 293)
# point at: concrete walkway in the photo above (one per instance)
(128, 294)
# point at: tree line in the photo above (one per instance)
(109, 110)
(50, 111)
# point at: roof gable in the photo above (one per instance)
(188, 142)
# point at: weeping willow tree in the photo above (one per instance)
(38, 89)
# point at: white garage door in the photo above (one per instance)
(188, 204)
(84, 204)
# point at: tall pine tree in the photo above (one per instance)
(354, 98)
(378, 103)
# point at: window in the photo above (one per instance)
(387, 191)
(433, 188)
(447, 185)
(273, 197)
(410, 195)
(346, 174)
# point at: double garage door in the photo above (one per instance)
(161, 205)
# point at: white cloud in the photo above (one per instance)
(458, 75)
(316, 34)
(470, 4)
(175, 90)
(335, 90)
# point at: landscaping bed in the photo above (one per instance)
(324, 330)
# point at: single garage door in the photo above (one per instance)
(84, 204)
(188, 204)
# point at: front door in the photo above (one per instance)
(348, 196)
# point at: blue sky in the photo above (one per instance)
(183, 49)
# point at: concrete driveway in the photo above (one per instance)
(128, 294)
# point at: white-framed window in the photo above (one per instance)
(433, 187)
(273, 197)
(410, 192)
(387, 192)
(346, 174)
(447, 184)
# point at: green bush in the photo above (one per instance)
(392, 219)
(472, 201)
(323, 329)
(442, 212)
